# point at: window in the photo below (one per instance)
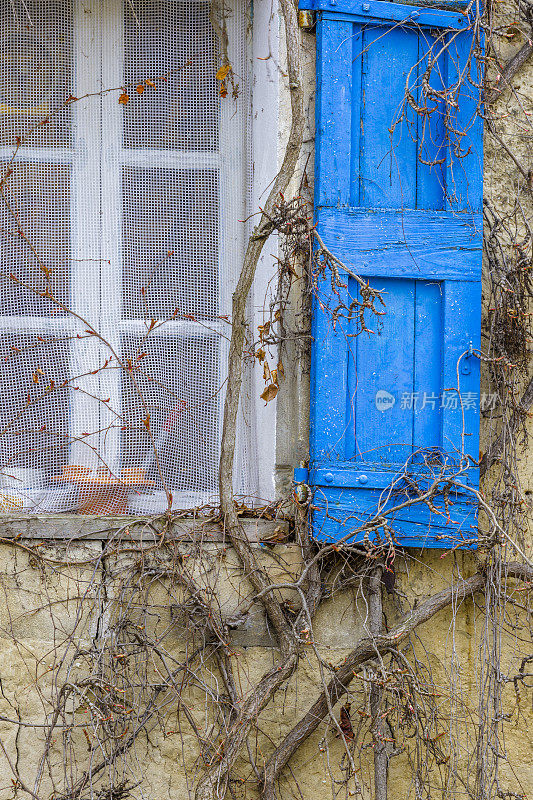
(121, 236)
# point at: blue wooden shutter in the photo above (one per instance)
(414, 231)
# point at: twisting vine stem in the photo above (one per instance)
(123, 684)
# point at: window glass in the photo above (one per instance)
(170, 229)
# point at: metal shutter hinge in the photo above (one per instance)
(306, 19)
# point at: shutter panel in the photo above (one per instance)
(380, 401)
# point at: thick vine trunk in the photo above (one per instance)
(375, 620)
(213, 783)
(366, 649)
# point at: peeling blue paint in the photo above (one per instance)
(415, 232)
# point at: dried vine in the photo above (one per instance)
(151, 652)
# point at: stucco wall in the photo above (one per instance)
(48, 613)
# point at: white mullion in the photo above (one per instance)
(231, 174)
(171, 159)
(40, 155)
(38, 324)
(85, 226)
(111, 269)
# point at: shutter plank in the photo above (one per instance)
(329, 380)
(388, 165)
(334, 112)
(384, 433)
(461, 326)
(464, 178)
(431, 180)
(427, 413)
(356, 132)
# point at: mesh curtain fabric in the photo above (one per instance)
(123, 194)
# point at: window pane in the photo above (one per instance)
(34, 409)
(169, 211)
(178, 379)
(170, 39)
(35, 74)
(36, 202)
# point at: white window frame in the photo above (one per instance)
(96, 160)
(265, 114)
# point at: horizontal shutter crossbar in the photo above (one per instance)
(356, 510)
(381, 11)
(434, 531)
(433, 245)
(370, 478)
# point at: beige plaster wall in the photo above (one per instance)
(46, 613)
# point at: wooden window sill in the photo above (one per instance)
(68, 527)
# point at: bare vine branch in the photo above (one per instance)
(365, 650)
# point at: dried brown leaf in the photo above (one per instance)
(269, 393)
(223, 71)
(345, 722)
